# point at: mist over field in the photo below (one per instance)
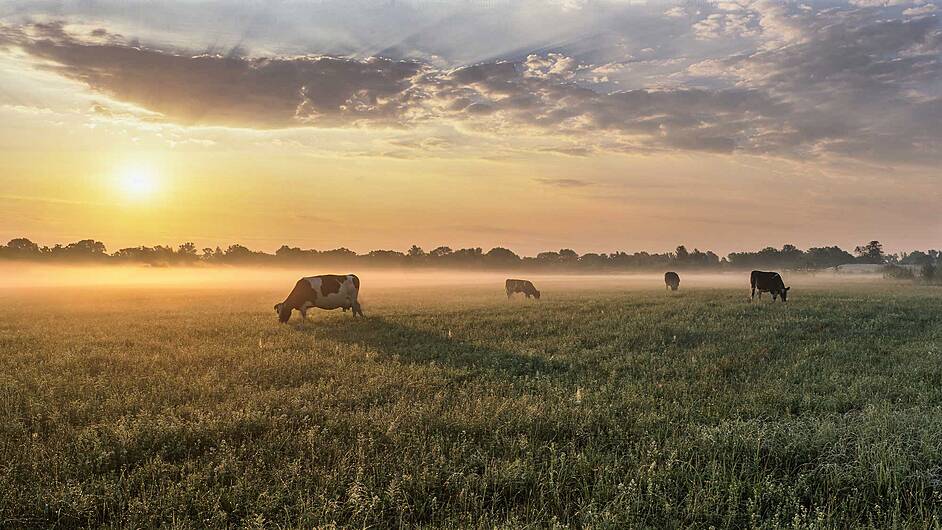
(26, 275)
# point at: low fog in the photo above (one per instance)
(25, 276)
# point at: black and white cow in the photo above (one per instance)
(521, 286)
(327, 291)
(672, 280)
(768, 282)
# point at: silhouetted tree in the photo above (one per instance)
(826, 257)
(21, 248)
(789, 256)
(186, 253)
(872, 252)
(339, 255)
(916, 257)
(593, 261)
(468, 257)
(547, 258)
(386, 258)
(502, 257)
(441, 252)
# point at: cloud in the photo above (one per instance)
(920, 11)
(858, 83)
(226, 90)
(773, 78)
(564, 183)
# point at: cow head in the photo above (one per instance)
(284, 312)
(536, 294)
(784, 294)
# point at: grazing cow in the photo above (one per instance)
(672, 280)
(521, 286)
(327, 291)
(768, 282)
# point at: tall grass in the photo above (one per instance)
(455, 407)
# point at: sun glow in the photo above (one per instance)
(138, 182)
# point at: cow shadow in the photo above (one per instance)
(416, 345)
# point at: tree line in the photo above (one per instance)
(789, 257)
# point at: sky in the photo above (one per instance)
(533, 125)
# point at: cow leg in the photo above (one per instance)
(753, 295)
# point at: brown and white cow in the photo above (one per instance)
(326, 291)
(521, 286)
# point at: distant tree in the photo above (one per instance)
(826, 257)
(295, 255)
(441, 252)
(468, 256)
(21, 248)
(187, 253)
(84, 250)
(929, 272)
(791, 257)
(87, 246)
(209, 254)
(286, 252)
(187, 249)
(593, 261)
(712, 259)
(872, 252)
(568, 256)
(702, 260)
(916, 257)
(236, 254)
(339, 254)
(385, 258)
(501, 257)
(547, 258)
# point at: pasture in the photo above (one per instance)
(607, 404)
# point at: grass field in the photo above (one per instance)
(601, 405)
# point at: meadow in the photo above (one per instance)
(610, 403)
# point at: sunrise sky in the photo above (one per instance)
(593, 125)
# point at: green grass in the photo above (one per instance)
(453, 407)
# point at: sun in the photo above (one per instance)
(138, 182)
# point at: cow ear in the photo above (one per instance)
(787, 288)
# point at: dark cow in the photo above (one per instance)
(521, 286)
(327, 291)
(672, 280)
(768, 282)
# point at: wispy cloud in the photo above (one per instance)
(564, 182)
